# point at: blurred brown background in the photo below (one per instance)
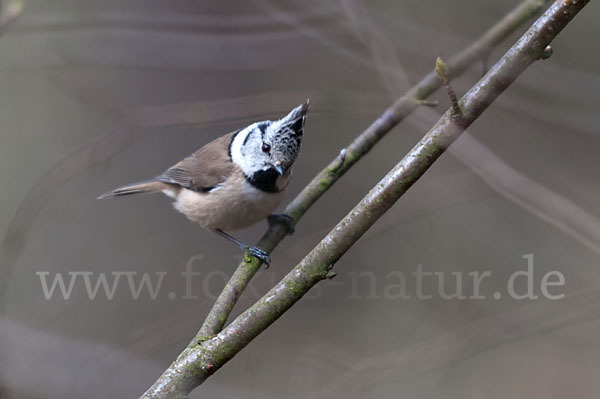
(98, 94)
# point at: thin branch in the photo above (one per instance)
(403, 107)
(442, 71)
(196, 363)
(533, 197)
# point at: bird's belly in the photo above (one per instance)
(229, 207)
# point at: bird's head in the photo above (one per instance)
(270, 146)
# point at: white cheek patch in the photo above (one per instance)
(246, 163)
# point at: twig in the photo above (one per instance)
(196, 363)
(403, 107)
(429, 103)
(529, 194)
(442, 71)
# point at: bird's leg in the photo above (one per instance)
(254, 251)
(285, 220)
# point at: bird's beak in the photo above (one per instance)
(278, 168)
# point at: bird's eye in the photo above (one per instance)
(266, 147)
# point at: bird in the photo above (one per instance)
(234, 181)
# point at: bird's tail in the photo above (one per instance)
(150, 186)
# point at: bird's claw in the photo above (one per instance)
(283, 219)
(260, 254)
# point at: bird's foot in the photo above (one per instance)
(259, 254)
(285, 220)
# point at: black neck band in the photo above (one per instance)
(265, 180)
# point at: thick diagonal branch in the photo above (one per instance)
(196, 363)
(403, 107)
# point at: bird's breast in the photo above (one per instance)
(233, 205)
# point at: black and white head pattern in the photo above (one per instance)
(266, 150)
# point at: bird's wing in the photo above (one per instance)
(205, 169)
